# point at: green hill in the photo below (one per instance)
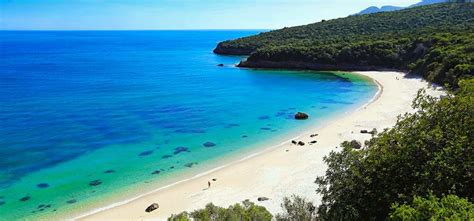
(435, 41)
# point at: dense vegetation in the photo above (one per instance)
(247, 211)
(435, 41)
(428, 152)
(449, 207)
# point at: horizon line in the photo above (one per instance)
(211, 29)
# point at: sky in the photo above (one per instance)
(175, 14)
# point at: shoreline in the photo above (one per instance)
(188, 194)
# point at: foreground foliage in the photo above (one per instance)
(428, 152)
(435, 41)
(449, 207)
(247, 211)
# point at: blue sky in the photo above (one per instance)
(174, 14)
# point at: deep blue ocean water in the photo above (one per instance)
(84, 115)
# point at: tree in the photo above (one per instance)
(449, 207)
(247, 211)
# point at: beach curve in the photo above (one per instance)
(276, 171)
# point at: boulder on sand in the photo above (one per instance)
(301, 116)
(152, 207)
(355, 144)
(262, 198)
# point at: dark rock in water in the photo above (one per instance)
(190, 164)
(209, 144)
(2, 203)
(301, 116)
(71, 201)
(323, 107)
(265, 128)
(24, 199)
(355, 144)
(166, 156)
(264, 117)
(171, 167)
(232, 125)
(279, 114)
(47, 206)
(42, 185)
(145, 153)
(262, 198)
(109, 171)
(364, 131)
(220, 65)
(41, 206)
(301, 143)
(244, 136)
(179, 150)
(156, 172)
(313, 142)
(95, 183)
(294, 142)
(152, 207)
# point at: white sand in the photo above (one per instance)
(277, 173)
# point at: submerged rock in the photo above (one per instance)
(301, 116)
(24, 199)
(42, 185)
(220, 65)
(166, 156)
(156, 172)
(179, 150)
(95, 183)
(190, 164)
(145, 153)
(109, 171)
(209, 144)
(152, 207)
(71, 201)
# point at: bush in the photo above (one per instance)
(297, 208)
(247, 211)
(449, 207)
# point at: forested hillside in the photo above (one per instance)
(435, 41)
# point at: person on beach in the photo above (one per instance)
(208, 184)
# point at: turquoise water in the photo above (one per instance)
(86, 116)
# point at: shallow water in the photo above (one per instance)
(84, 115)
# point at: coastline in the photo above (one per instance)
(273, 172)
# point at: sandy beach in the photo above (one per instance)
(281, 171)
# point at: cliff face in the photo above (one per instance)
(309, 66)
